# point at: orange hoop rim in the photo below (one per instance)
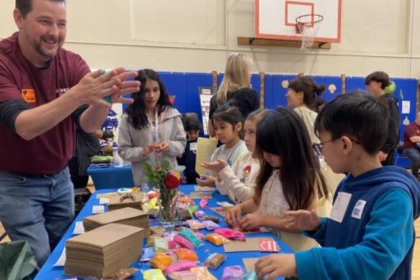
(310, 24)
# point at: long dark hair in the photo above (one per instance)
(309, 88)
(283, 133)
(137, 110)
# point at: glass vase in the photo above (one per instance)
(168, 212)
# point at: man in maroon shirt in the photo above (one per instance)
(411, 142)
(45, 92)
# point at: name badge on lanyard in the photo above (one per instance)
(155, 127)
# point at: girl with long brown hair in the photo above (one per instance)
(289, 178)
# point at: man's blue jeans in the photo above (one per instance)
(414, 156)
(37, 209)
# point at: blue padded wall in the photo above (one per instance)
(334, 87)
(278, 91)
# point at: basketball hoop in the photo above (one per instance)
(308, 26)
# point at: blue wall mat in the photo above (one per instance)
(176, 84)
(355, 83)
(256, 84)
(268, 95)
(278, 92)
(330, 83)
(194, 81)
(406, 90)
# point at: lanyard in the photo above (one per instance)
(155, 127)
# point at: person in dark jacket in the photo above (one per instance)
(235, 88)
(376, 83)
(192, 127)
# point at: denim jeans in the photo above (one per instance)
(414, 156)
(37, 209)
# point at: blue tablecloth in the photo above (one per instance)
(50, 272)
(111, 177)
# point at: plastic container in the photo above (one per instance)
(118, 162)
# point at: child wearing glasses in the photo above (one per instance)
(370, 233)
(289, 179)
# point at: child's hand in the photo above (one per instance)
(233, 215)
(206, 180)
(251, 221)
(275, 265)
(303, 220)
(151, 147)
(162, 147)
(216, 165)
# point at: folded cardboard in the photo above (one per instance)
(104, 250)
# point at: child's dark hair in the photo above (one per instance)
(191, 122)
(284, 134)
(229, 114)
(379, 77)
(136, 111)
(319, 101)
(309, 88)
(357, 115)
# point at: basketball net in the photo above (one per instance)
(308, 26)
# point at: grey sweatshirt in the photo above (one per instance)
(131, 142)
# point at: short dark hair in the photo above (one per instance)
(357, 115)
(379, 77)
(309, 88)
(191, 122)
(25, 6)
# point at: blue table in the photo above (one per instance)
(50, 272)
(111, 177)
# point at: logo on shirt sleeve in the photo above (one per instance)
(29, 95)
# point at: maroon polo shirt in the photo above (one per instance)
(412, 130)
(49, 152)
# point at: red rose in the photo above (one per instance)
(171, 181)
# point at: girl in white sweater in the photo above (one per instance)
(289, 179)
(239, 181)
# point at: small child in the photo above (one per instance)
(192, 127)
(370, 234)
(289, 179)
(239, 181)
(227, 123)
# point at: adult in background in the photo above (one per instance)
(87, 146)
(235, 88)
(411, 142)
(43, 90)
(376, 83)
(301, 96)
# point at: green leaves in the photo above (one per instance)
(156, 176)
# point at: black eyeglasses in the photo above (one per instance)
(318, 147)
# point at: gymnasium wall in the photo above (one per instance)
(198, 35)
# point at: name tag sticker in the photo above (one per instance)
(358, 209)
(340, 207)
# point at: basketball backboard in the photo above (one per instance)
(276, 19)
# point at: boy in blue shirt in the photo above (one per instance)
(370, 233)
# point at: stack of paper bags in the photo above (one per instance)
(103, 251)
(115, 202)
(126, 216)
